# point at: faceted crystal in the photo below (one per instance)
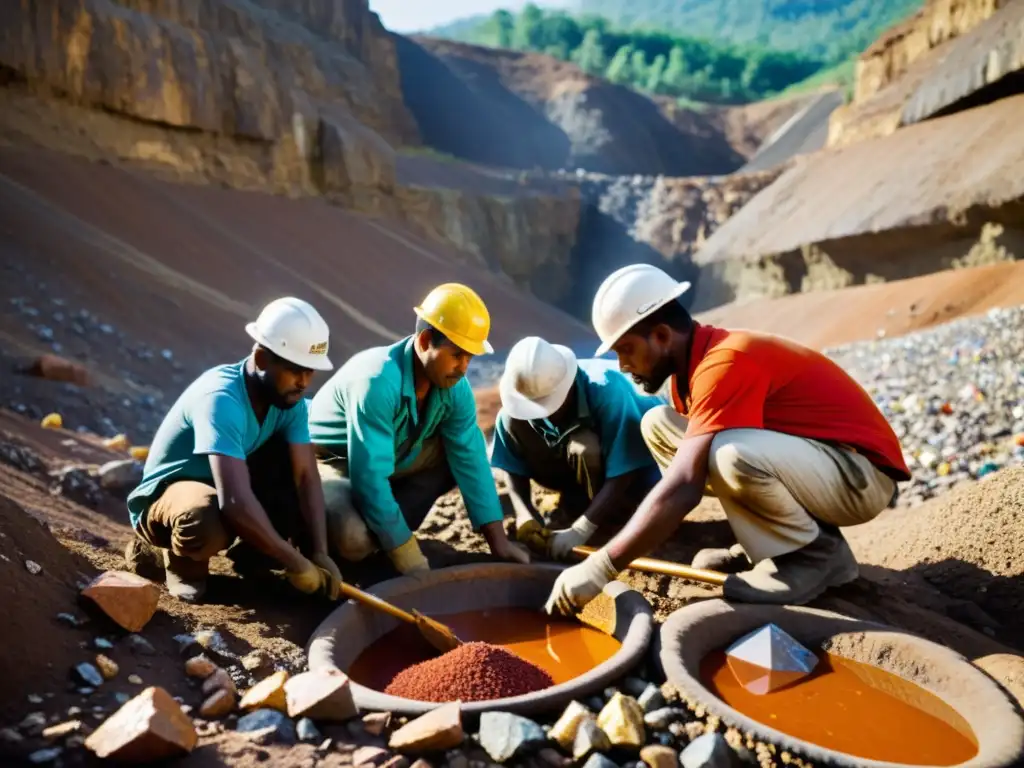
(768, 659)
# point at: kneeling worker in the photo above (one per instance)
(233, 457)
(395, 428)
(573, 427)
(790, 444)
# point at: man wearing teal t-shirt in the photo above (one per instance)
(395, 428)
(232, 458)
(574, 427)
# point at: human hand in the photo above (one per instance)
(322, 560)
(511, 551)
(534, 536)
(408, 558)
(563, 541)
(311, 578)
(578, 585)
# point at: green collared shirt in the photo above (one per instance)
(366, 413)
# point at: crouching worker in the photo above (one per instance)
(791, 445)
(395, 428)
(232, 458)
(573, 427)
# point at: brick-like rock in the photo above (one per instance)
(438, 729)
(128, 599)
(200, 666)
(54, 368)
(320, 695)
(376, 723)
(370, 757)
(220, 680)
(564, 729)
(218, 704)
(623, 720)
(62, 729)
(656, 756)
(149, 727)
(268, 693)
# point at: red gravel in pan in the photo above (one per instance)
(472, 672)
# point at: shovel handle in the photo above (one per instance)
(665, 568)
(376, 603)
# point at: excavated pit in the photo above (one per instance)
(904, 679)
(497, 603)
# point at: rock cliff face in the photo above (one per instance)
(948, 50)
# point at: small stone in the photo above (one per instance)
(11, 736)
(211, 640)
(634, 686)
(219, 681)
(267, 694)
(253, 661)
(102, 644)
(267, 726)
(564, 729)
(651, 699)
(552, 758)
(325, 745)
(33, 723)
(376, 723)
(369, 757)
(661, 719)
(140, 646)
(597, 760)
(623, 720)
(707, 751)
(594, 703)
(48, 755)
(33, 567)
(200, 666)
(128, 599)
(321, 695)
(188, 646)
(34, 699)
(659, 757)
(421, 763)
(694, 730)
(69, 618)
(86, 691)
(107, 666)
(438, 729)
(88, 674)
(134, 679)
(218, 704)
(589, 738)
(456, 759)
(398, 761)
(122, 698)
(307, 731)
(504, 735)
(63, 729)
(120, 475)
(150, 727)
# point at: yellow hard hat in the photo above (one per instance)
(460, 314)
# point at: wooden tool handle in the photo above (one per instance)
(664, 568)
(375, 602)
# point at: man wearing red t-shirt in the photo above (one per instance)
(790, 444)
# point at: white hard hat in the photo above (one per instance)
(627, 296)
(537, 378)
(292, 329)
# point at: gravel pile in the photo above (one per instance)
(954, 394)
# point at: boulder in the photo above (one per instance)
(320, 695)
(439, 729)
(149, 727)
(128, 599)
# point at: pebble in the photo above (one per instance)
(211, 640)
(651, 699)
(70, 619)
(33, 567)
(88, 674)
(140, 646)
(102, 644)
(634, 686)
(307, 731)
(41, 756)
(659, 757)
(598, 760)
(11, 736)
(267, 726)
(504, 735)
(34, 698)
(707, 751)
(107, 666)
(33, 723)
(589, 738)
(660, 719)
(134, 679)
(122, 698)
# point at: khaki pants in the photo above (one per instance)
(776, 488)
(415, 487)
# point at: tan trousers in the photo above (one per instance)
(186, 520)
(774, 487)
(416, 488)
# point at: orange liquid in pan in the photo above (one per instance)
(854, 708)
(562, 648)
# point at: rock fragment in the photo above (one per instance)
(504, 735)
(200, 666)
(267, 694)
(149, 727)
(439, 729)
(623, 720)
(107, 666)
(267, 726)
(128, 599)
(321, 695)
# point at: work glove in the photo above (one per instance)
(408, 558)
(322, 560)
(312, 578)
(578, 585)
(534, 536)
(576, 535)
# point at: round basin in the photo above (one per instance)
(978, 703)
(352, 627)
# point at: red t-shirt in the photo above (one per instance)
(742, 379)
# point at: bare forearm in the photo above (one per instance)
(522, 504)
(251, 523)
(655, 520)
(610, 498)
(311, 504)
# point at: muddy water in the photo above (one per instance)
(854, 708)
(564, 649)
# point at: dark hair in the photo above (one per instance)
(673, 314)
(436, 337)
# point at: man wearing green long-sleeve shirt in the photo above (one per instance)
(395, 428)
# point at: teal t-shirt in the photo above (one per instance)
(609, 404)
(213, 415)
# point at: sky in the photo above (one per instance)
(419, 15)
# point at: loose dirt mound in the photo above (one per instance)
(967, 544)
(527, 110)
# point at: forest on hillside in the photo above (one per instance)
(667, 63)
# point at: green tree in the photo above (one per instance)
(590, 56)
(504, 26)
(527, 24)
(676, 71)
(620, 70)
(638, 68)
(655, 73)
